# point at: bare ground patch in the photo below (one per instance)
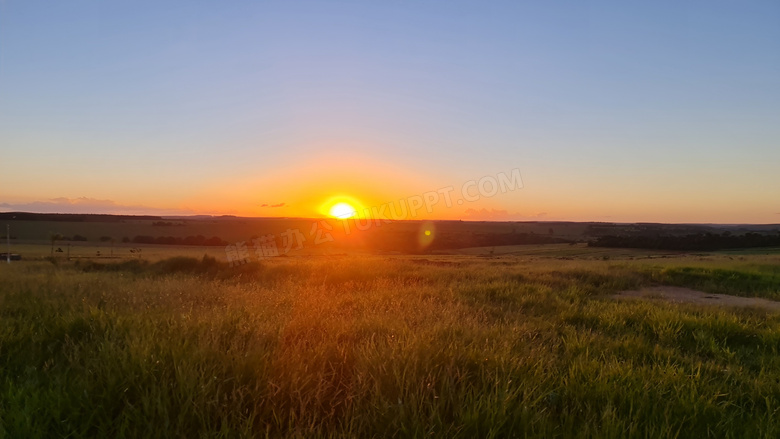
(687, 295)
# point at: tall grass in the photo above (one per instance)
(372, 347)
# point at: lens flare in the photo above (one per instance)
(426, 235)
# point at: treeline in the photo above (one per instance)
(646, 229)
(411, 242)
(71, 238)
(448, 241)
(172, 240)
(166, 224)
(701, 241)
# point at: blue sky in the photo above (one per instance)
(651, 111)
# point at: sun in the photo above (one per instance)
(343, 207)
(343, 211)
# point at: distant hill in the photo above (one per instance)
(403, 236)
(73, 217)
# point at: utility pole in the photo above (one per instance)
(8, 239)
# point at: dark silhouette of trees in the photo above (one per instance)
(692, 242)
(198, 240)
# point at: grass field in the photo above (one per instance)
(521, 344)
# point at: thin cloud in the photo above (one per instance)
(499, 215)
(90, 205)
(273, 205)
(484, 214)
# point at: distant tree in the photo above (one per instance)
(79, 238)
(106, 239)
(54, 238)
(143, 239)
(214, 241)
(125, 239)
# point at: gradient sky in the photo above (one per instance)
(613, 111)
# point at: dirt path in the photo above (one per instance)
(687, 295)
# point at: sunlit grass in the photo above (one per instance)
(460, 347)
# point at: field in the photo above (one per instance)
(523, 343)
(86, 235)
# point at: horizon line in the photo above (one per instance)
(391, 220)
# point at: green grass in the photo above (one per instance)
(374, 347)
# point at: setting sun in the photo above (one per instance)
(379, 218)
(343, 211)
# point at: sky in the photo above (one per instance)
(610, 111)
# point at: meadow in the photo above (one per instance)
(464, 345)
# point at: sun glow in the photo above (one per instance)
(343, 207)
(342, 211)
